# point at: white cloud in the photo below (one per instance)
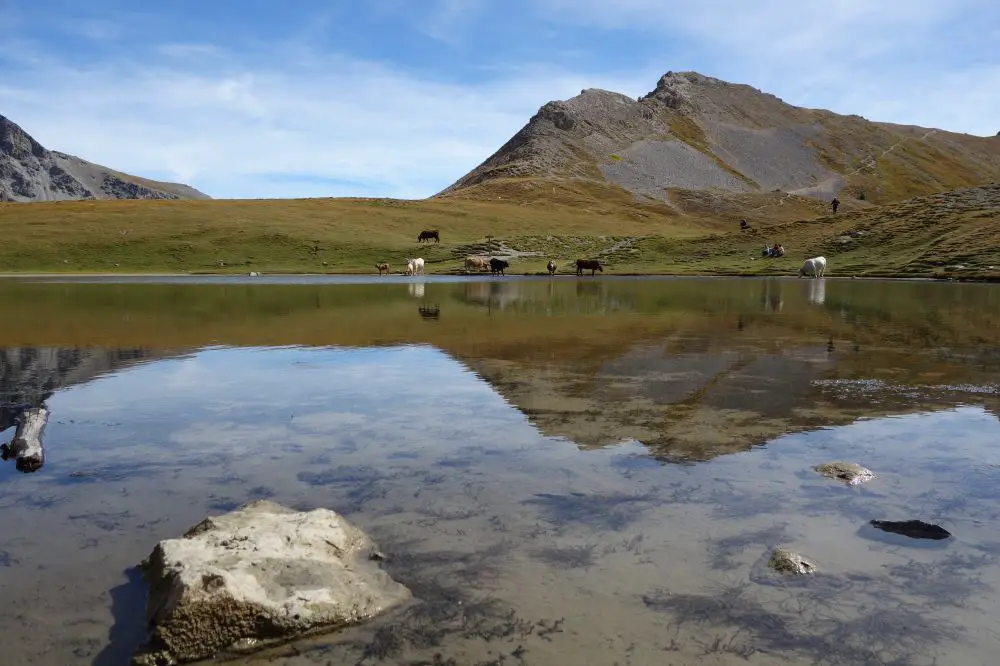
(229, 129)
(95, 29)
(907, 61)
(447, 20)
(292, 120)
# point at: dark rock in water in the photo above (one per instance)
(915, 529)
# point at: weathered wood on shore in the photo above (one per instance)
(26, 447)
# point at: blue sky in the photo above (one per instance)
(255, 98)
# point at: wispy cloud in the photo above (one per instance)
(333, 118)
(401, 97)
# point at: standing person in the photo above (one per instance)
(835, 204)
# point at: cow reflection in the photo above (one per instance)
(429, 312)
(817, 291)
(773, 302)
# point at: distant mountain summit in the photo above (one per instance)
(30, 172)
(697, 133)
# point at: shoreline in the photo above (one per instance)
(460, 274)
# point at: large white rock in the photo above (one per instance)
(260, 575)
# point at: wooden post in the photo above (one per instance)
(26, 447)
(489, 245)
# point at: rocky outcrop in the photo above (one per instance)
(30, 172)
(257, 576)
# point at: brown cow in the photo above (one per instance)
(382, 266)
(552, 267)
(588, 264)
(478, 263)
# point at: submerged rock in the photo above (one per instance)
(850, 473)
(915, 529)
(788, 562)
(259, 575)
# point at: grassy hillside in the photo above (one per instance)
(931, 236)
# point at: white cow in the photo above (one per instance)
(815, 267)
(418, 265)
(410, 267)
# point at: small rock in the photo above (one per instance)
(789, 562)
(915, 529)
(256, 576)
(850, 473)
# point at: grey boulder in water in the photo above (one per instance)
(852, 474)
(789, 562)
(260, 575)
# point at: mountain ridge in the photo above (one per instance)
(31, 172)
(698, 133)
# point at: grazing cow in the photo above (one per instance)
(498, 266)
(477, 263)
(816, 267)
(588, 264)
(382, 267)
(410, 267)
(428, 234)
(552, 267)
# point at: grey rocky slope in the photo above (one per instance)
(694, 132)
(30, 172)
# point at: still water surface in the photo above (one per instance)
(563, 471)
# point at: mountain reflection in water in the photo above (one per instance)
(511, 447)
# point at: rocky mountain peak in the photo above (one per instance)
(30, 172)
(697, 133)
(15, 142)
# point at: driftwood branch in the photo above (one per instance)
(26, 447)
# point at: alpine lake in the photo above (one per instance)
(562, 470)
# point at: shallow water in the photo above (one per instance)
(564, 472)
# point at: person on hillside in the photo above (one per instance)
(835, 204)
(744, 225)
